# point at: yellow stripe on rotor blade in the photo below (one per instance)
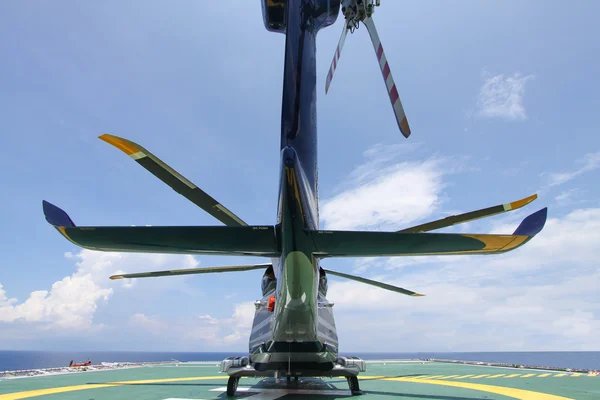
(523, 202)
(122, 144)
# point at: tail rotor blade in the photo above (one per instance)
(336, 57)
(387, 77)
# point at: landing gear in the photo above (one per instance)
(354, 387)
(232, 385)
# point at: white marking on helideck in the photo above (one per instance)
(271, 394)
(180, 398)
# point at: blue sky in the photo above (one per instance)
(502, 98)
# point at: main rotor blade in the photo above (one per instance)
(387, 77)
(336, 56)
(470, 216)
(374, 283)
(206, 270)
(174, 179)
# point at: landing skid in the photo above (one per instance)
(347, 367)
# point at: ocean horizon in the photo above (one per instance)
(11, 360)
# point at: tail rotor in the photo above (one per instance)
(355, 12)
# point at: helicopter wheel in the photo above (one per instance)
(354, 386)
(232, 385)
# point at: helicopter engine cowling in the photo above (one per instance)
(274, 12)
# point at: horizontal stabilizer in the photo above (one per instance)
(374, 283)
(190, 271)
(382, 244)
(533, 224)
(470, 216)
(221, 240)
(174, 179)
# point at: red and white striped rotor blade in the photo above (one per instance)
(336, 56)
(387, 77)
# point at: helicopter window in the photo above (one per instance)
(268, 282)
(322, 283)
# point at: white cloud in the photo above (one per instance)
(151, 324)
(204, 329)
(240, 323)
(209, 319)
(502, 96)
(543, 296)
(71, 303)
(589, 162)
(5, 301)
(383, 196)
(566, 197)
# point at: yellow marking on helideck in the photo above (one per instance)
(124, 145)
(480, 376)
(504, 391)
(148, 381)
(528, 375)
(512, 375)
(450, 376)
(65, 389)
(543, 375)
(559, 375)
(465, 376)
(495, 376)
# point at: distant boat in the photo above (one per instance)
(80, 364)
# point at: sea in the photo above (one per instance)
(11, 360)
